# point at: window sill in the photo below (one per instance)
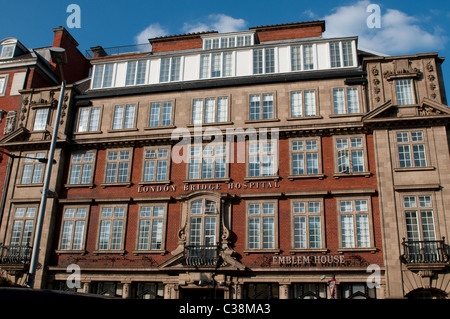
(414, 169)
(119, 252)
(262, 251)
(123, 130)
(262, 178)
(153, 128)
(60, 252)
(104, 185)
(346, 115)
(68, 186)
(319, 176)
(164, 182)
(262, 121)
(162, 252)
(302, 118)
(30, 185)
(208, 180)
(87, 132)
(210, 124)
(293, 251)
(360, 249)
(339, 175)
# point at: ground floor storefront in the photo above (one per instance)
(216, 285)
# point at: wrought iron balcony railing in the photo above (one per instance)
(15, 255)
(425, 251)
(201, 255)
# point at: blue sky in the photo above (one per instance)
(407, 27)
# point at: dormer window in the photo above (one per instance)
(229, 41)
(7, 51)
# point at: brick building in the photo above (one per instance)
(23, 68)
(241, 165)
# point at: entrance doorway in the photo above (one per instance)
(201, 293)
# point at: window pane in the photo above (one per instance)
(108, 75)
(40, 121)
(296, 104)
(315, 239)
(347, 53)
(216, 64)
(310, 103)
(197, 112)
(210, 111)
(258, 61)
(204, 66)
(222, 109)
(94, 119)
(131, 73)
(254, 107)
(175, 69)
(362, 230)
(299, 232)
(419, 155)
(296, 58)
(166, 116)
(347, 231)
(339, 101)
(154, 114)
(227, 64)
(97, 77)
(404, 92)
(268, 106)
(253, 233)
(129, 116)
(141, 72)
(308, 59)
(270, 60)
(118, 117)
(335, 58)
(352, 98)
(164, 71)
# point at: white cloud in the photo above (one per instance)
(217, 22)
(400, 33)
(152, 31)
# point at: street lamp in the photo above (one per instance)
(58, 56)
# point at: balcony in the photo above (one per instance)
(201, 256)
(16, 257)
(425, 252)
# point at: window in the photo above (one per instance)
(350, 155)
(346, 101)
(215, 65)
(210, 110)
(160, 114)
(41, 119)
(303, 103)
(354, 223)
(227, 42)
(262, 158)
(88, 119)
(118, 166)
(33, 168)
(302, 57)
(73, 228)
(203, 223)
(151, 227)
(261, 225)
(411, 149)
(207, 162)
(263, 61)
(419, 218)
(7, 51)
(170, 69)
(3, 84)
(136, 73)
(23, 226)
(305, 156)
(81, 168)
(112, 228)
(404, 92)
(103, 76)
(124, 116)
(307, 224)
(309, 291)
(156, 164)
(341, 54)
(264, 110)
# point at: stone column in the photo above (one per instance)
(284, 291)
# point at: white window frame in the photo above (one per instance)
(225, 66)
(132, 73)
(264, 68)
(151, 232)
(36, 169)
(10, 54)
(118, 160)
(171, 76)
(160, 116)
(103, 76)
(349, 229)
(154, 158)
(341, 59)
(255, 230)
(3, 79)
(301, 102)
(85, 164)
(123, 121)
(91, 122)
(117, 217)
(404, 91)
(308, 209)
(203, 114)
(74, 221)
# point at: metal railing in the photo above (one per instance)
(15, 254)
(201, 255)
(425, 251)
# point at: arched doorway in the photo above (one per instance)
(427, 294)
